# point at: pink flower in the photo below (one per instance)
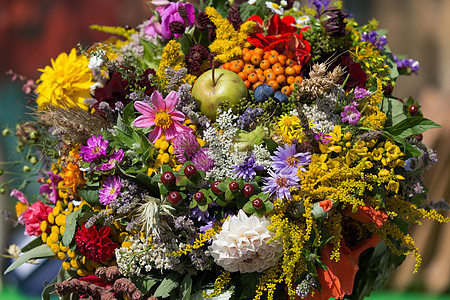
(34, 216)
(163, 116)
(21, 206)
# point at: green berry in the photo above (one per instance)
(26, 169)
(6, 132)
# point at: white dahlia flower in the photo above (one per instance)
(243, 246)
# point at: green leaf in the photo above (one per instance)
(271, 145)
(411, 126)
(249, 281)
(128, 114)
(393, 110)
(167, 285)
(390, 61)
(185, 288)
(144, 284)
(71, 226)
(33, 244)
(124, 137)
(41, 251)
(248, 207)
(90, 195)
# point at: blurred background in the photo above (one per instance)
(32, 32)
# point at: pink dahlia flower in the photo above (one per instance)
(162, 115)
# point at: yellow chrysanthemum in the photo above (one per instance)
(66, 83)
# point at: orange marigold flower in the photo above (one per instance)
(73, 176)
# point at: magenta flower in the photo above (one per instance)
(96, 148)
(172, 13)
(361, 93)
(163, 116)
(110, 190)
(350, 115)
(51, 189)
(113, 159)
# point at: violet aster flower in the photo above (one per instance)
(113, 159)
(185, 146)
(110, 190)
(406, 65)
(361, 93)
(280, 183)
(174, 12)
(350, 115)
(287, 159)
(96, 148)
(247, 170)
(51, 189)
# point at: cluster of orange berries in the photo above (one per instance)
(256, 67)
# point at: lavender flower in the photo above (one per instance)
(280, 184)
(350, 115)
(373, 38)
(248, 117)
(96, 148)
(361, 93)
(113, 159)
(304, 288)
(185, 146)
(202, 160)
(247, 170)
(287, 159)
(111, 189)
(51, 189)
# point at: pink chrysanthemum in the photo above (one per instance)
(162, 115)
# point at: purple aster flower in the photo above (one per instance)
(287, 159)
(202, 160)
(185, 146)
(110, 190)
(361, 93)
(280, 184)
(96, 148)
(350, 115)
(247, 170)
(113, 159)
(51, 189)
(373, 38)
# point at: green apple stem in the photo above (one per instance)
(212, 72)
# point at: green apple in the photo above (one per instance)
(218, 86)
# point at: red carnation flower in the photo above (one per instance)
(95, 245)
(34, 216)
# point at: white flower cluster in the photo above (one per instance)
(221, 148)
(322, 112)
(243, 244)
(142, 255)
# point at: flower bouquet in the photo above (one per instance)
(225, 151)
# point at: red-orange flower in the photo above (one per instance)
(281, 36)
(367, 214)
(95, 244)
(326, 204)
(337, 281)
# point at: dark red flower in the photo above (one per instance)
(281, 36)
(357, 77)
(95, 245)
